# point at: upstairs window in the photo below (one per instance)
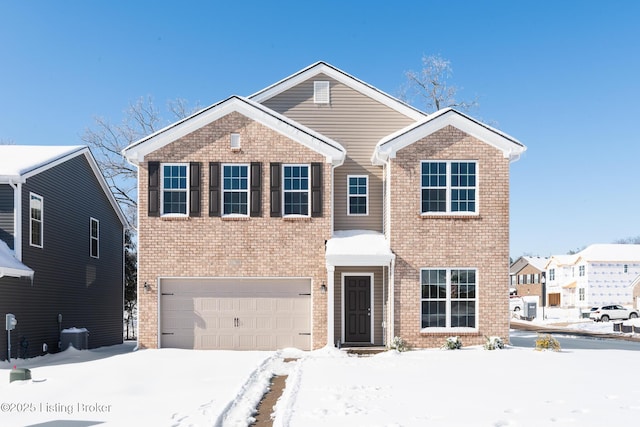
(296, 190)
(235, 190)
(552, 274)
(36, 220)
(174, 189)
(94, 238)
(321, 92)
(448, 187)
(358, 194)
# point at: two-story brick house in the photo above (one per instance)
(322, 211)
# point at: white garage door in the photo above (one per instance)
(235, 314)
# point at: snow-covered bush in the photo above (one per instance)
(547, 342)
(399, 344)
(452, 343)
(493, 343)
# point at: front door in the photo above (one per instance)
(357, 311)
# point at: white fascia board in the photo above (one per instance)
(332, 150)
(75, 151)
(390, 145)
(342, 77)
(11, 179)
(359, 260)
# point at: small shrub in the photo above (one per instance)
(547, 342)
(493, 343)
(399, 344)
(452, 343)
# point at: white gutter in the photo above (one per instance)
(17, 219)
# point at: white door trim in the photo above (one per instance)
(371, 281)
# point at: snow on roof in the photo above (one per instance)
(10, 266)
(537, 262)
(358, 247)
(610, 252)
(18, 160)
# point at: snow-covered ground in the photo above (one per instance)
(116, 386)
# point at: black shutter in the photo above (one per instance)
(214, 189)
(316, 189)
(275, 191)
(194, 189)
(154, 188)
(256, 189)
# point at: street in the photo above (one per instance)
(527, 339)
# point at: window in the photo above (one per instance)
(174, 189)
(35, 220)
(448, 298)
(552, 274)
(296, 190)
(448, 187)
(358, 190)
(581, 294)
(235, 189)
(321, 92)
(94, 237)
(581, 270)
(625, 268)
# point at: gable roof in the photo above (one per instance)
(332, 150)
(388, 146)
(613, 252)
(19, 162)
(322, 67)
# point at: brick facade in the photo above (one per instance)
(219, 247)
(480, 241)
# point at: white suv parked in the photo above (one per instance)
(605, 313)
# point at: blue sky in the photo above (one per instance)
(561, 76)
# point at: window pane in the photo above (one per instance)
(175, 202)
(434, 200)
(434, 314)
(463, 314)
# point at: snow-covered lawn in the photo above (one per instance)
(116, 386)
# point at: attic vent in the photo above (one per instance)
(235, 141)
(321, 92)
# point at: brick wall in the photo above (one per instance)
(480, 242)
(216, 247)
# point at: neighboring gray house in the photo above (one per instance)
(61, 248)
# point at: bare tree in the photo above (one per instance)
(4, 141)
(107, 140)
(431, 85)
(629, 241)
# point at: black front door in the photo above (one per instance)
(357, 311)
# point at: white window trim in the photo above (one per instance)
(31, 220)
(448, 188)
(308, 191)
(448, 302)
(248, 190)
(92, 238)
(321, 92)
(162, 190)
(342, 292)
(366, 195)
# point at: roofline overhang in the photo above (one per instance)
(332, 150)
(347, 79)
(388, 147)
(342, 260)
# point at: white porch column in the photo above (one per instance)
(330, 305)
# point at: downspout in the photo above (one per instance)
(331, 268)
(17, 219)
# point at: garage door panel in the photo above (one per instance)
(244, 314)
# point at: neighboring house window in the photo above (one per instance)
(536, 278)
(449, 187)
(235, 189)
(358, 189)
(95, 238)
(174, 189)
(552, 274)
(296, 190)
(581, 294)
(321, 92)
(448, 298)
(581, 270)
(625, 268)
(36, 220)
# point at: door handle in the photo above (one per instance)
(369, 311)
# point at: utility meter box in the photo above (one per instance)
(530, 309)
(11, 322)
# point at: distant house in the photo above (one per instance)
(61, 248)
(526, 275)
(322, 211)
(599, 274)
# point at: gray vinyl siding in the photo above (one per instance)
(358, 123)
(6, 215)
(378, 288)
(87, 291)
